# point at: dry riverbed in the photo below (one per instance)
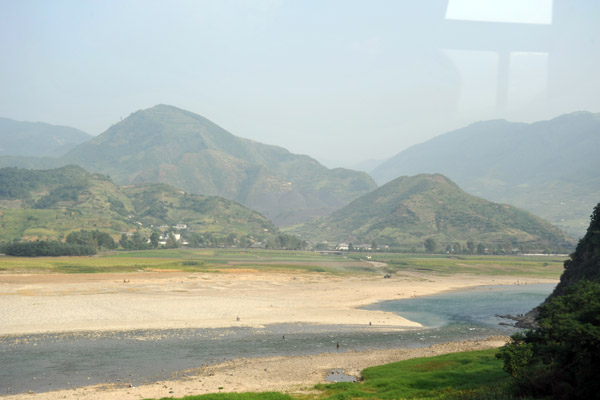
(36, 303)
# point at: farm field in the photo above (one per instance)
(218, 260)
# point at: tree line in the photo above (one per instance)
(46, 248)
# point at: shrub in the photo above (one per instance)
(562, 356)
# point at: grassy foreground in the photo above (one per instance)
(469, 375)
(222, 260)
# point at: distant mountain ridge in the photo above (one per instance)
(186, 150)
(549, 167)
(38, 139)
(408, 210)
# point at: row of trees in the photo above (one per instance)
(81, 243)
(46, 248)
(138, 242)
(470, 247)
(95, 239)
(286, 242)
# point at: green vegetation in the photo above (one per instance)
(94, 239)
(52, 204)
(440, 377)
(474, 375)
(430, 245)
(222, 260)
(549, 168)
(431, 212)
(191, 260)
(17, 183)
(60, 194)
(532, 266)
(42, 248)
(286, 242)
(584, 263)
(169, 145)
(561, 357)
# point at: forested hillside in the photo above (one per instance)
(51, 204)
(410, 211)
(169, 145)
(549, 168)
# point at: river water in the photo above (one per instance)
(46, 362)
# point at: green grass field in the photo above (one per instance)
(526, 266)
(441, 377)
(470, 375)
(215, 260)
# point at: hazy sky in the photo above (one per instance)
(343, 81)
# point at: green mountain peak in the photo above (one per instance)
(167, 144)
(549, 167)
(409, 209)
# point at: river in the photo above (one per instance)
(44, 362)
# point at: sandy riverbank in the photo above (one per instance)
(39, 303)
(35, 303)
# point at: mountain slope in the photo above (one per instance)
(50, 204)
(166, 144)
(583, 265)
(406, 211)
(549, 168)
(37, 139)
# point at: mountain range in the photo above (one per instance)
(550, 168)
(37, 139)
(169, 145)
(409, 210)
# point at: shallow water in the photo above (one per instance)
(476, 307)
(54, 361)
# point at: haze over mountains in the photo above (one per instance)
(37, 139)
(550, 168)
(408, 210)
(166, 144)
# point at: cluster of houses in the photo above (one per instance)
(162, 239)
(359, 247)
(346, 247)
